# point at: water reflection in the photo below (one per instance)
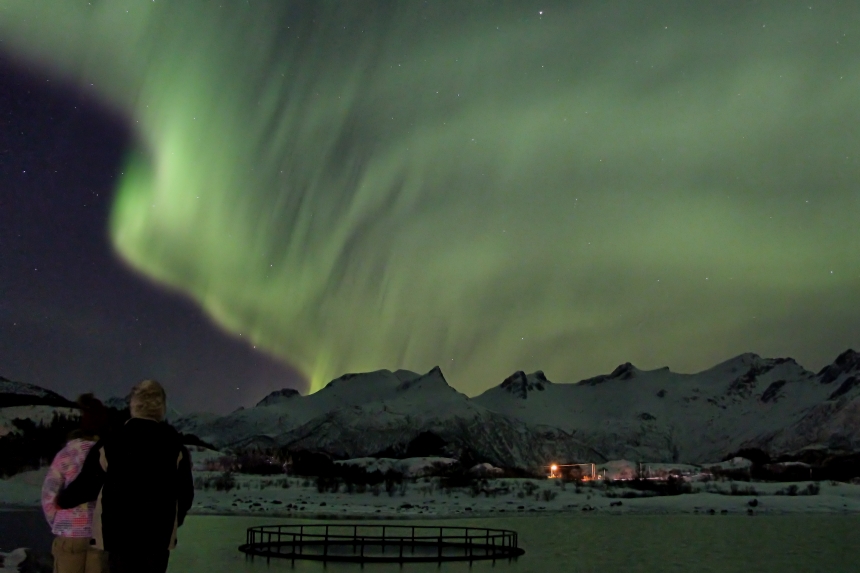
(586, 544)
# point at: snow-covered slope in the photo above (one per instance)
(281, 412)
(660, 415)
(19, 400)
(834, 422)
(657, 415)
(23, 394)
(359, 415)
(427, 404)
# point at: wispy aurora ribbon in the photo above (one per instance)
(488, 186)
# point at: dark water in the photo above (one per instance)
(591, 544)
(25, 528)
(574, 543)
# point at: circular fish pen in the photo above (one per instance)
(380, 543)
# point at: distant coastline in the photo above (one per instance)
(505, 497)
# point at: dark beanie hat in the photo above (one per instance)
(94, 415)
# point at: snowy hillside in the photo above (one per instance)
(658, 415)
(279, 413)
(23, 394)
(834, 422)
(360, 415)
(748, 401)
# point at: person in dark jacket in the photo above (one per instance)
(140, 477)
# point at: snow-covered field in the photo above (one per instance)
(425, 497)
(37, 414)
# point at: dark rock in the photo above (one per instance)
(625, 371)
(849, 384)
(278, 396)
(848, 361)
(426, 444)
(770, 394)
(518, 384)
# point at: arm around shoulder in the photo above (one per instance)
(88, 484)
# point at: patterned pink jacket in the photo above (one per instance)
(78, 521)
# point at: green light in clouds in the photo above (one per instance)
(366, 185)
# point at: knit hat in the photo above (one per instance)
(148, 400)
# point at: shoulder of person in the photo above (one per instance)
(167, 433)
(80, 444)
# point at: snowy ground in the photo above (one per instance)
(38, 414)
(424, 497)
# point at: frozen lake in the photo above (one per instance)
(569, 543)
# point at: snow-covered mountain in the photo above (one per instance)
(360, 415)
(833, 422)
(658, 415)
(748, 401)
(23, 394)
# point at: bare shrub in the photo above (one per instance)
(530, 488)
(735, 489)
(225, 481)
(811, 489)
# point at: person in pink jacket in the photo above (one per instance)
(72, 527)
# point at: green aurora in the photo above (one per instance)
(486, 186)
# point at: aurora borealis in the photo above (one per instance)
(486, 186)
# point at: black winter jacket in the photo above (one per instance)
(141, 479)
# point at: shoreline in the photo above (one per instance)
(8, 508)
(425, 498)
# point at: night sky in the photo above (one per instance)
(74, 317)
(486, 186)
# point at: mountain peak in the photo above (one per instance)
(434, 377)
(406, 375)
(22, 393)
(624, 371)
(750, 364)
(744, 360)
(848, 361)
(436, 371)
(363, 377)
(278, 396)
(519, 384)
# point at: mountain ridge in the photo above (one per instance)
(772, 404)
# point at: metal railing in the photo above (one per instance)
(380, 543)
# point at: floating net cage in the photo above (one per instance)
(380, 543)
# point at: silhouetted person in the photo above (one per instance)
(72, 527)
(141, 478)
